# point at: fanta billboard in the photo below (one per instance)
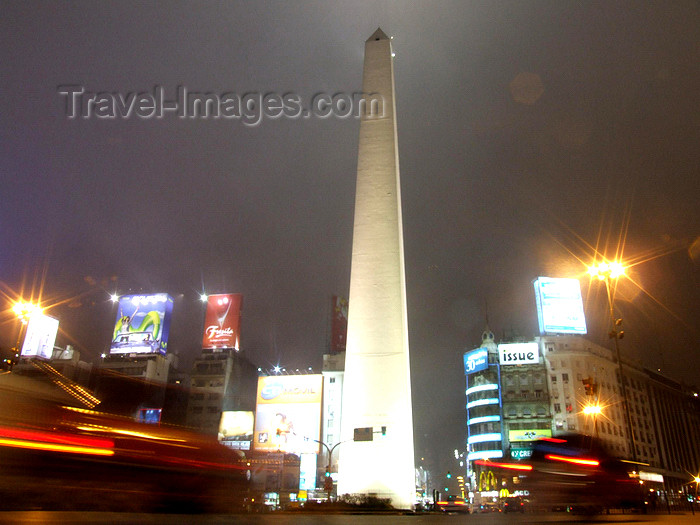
(288, 413)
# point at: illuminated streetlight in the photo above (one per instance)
(203, 297)
(609, 272)
(114, 297)
(24, 310)
(592, 410)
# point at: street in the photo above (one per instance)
(55, 518)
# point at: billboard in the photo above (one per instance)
(236, 429)
(559, 306)
(40, 336)
(307, 472)
(288, 413)
(339, 324)
(529, 435)
(143, 324)
(222, 322)
(476, 360)
(518, 353)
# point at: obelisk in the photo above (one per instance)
(377, 383)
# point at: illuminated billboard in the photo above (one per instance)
(236, 429)
(40, 336)
(518, 353)
(559, 306)
(476, 360)
(222, 322)
(307, 471)
(288, 413)
(143, 324)
(529, 435)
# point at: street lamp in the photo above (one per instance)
(609, 272)
(24, 311)
(593, 410)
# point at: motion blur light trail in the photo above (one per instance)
(54, 442)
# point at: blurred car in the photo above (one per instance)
(574, 471)
(55, 455)
(515, 504)
(135, 342)
(486, 508)
(453, 504)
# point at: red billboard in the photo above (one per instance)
(222, 322)
(339, 324)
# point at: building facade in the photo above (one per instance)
(513, 400)
(221, 380)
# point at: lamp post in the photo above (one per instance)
(609, 272)
(329, 484)
(593, 410)
(24, 311)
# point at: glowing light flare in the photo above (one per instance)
(24, 310)
(203, 297)
(592, 410)
(55, 442)
(574, 461)
(510, 466)
(607, 270)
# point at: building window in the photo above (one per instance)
(565, 378)
(557, 408)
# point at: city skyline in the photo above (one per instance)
(531, 134)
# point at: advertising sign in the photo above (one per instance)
(529, 435)
(520, 453)
(307, 472)
(149, 415)
(476, 360)
(518, 353)
(222, 322)
(40, 336)
(339, 324)
(288, 413)
(236, 429)
(143, 324)
(559, 306)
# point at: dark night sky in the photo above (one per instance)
(501, 181)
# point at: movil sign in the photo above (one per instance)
(519, 353)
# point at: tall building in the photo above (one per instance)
(222, 380)
(513, 400)
(377, 384)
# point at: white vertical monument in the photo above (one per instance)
(377, 386)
